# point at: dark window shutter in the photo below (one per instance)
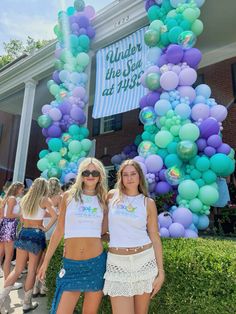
(118, 122)
(96, 127)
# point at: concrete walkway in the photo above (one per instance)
(14, 301)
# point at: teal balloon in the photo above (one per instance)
(172, 148)
(86, 145)
(195, 205)
(188, 189)
(84, 131)
(44, 121)
(208, 195)
(174, 34)
(84, 42)
(43, 153)
(74, 129)
(200, 182)
(195, 174)
(172, 160)
(203, 163)
(220, 164)
(75, 147)
(54, 172)
(153, 13)
(54, 157)
(152, 80)
(151, 37)
(186, 150)
(162, 153)
(55, 144)
(209, 176)
(79, 5)
(54, 89)
(42, 164)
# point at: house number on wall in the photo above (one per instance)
(121, 21)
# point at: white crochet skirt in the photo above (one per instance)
(129, 275)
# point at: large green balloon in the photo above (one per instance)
(86, 145)
(42, 164)
(44, 121)
(208, 195)
(190, 15)
(152, 80)
(188, 189)
(54, 157)
(195, 205)
(43, 153)
(163, 138)
(75, 147)
(151, 37)
(186, 150)
(55, 144)
(83, 59)
(189, 131)
(197, 27)
(203, 163)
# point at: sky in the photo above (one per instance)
(35, 18)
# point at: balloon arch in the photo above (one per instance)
(181, 149)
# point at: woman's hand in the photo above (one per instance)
(42, 272)
(157, 284)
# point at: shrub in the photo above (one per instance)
(200, 278)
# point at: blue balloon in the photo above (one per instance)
(183, 110)
(203, 90)
(162, 106)
(203, 222)
(154, 54)
(200, 100)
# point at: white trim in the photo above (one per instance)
(102, 125)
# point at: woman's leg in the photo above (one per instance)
(122, 305)
(141, 303)
(92, 301)
(9, 251)
(21, 259)
(32, 269)
(68, 302)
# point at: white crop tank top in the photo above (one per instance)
(127, 220)
(38, 216)
(84, 219)
(16, 208)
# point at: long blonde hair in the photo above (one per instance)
(54, 187)
(30, 202)
(76, 189)
(13, 189)
(142, 187)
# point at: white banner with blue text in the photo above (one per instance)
(118, 71)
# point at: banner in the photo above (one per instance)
(118, 71)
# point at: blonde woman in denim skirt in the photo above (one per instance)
(82, 221)
(134, 271)
(31, 240)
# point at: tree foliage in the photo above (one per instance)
(16, 48)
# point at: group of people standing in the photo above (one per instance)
(131, 273)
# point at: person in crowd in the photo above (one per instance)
(56, 197)
(134, 272)
(10, 211)
(82, 221)
(31, 240)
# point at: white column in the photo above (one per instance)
(24, 132)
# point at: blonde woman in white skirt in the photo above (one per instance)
(134, 272)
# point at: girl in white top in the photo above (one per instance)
(82, 221)
(31, 240)
(134, 271)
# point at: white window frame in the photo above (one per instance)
(102, 125)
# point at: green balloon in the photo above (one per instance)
(86, 145)
(156, 25)
(146, 136)
(170, 23)
(186, 150)
(43, 153)
(208, 195)
(200, 182)
(82, 59)
(42, 164)
(79, 5)
(44, 121)
(54, 172)
(54, 157)
(84, 42)
(209, 176)
(203, 163)
(55, 144)
(189, 131)
(174, 34)
(54, 89)
(188, 189)
(190, 15)
(151, 37)
(153, 80)
(75, 147)
(195, 174)
(84, 131)
(164, 39)
(197, 27)
(163, 139)
(195, 205)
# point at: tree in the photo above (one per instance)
(16, 48)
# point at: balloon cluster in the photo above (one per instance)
(181, 148)
(62, 120)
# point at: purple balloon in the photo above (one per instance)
(139, 159)
(164, 233)
(183, 216)
(169, 80)
(69, 176)
(116, 160)
(219, 112)
(45, 132)
(65, 107)
(201, 144)
(143, 102)
(165, 220)
(83, 21)
(187, 76)
(162, 188)
(89, 11)
(209, 151)
(200, 111)
(154, 163)
(174, 54)
(209, 127)
(45, 109)
(192, 57)
(224, 149)
(214, 141)
(162, 175)
(56, 78)
(77, 114)
(91, 32)
(176, 230)
(55, 114)
(152, 98)
(190, 234)
(54, 131)
(143, 167)
(187, 91)
(162, 60)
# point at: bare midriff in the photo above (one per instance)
(37, 224)
(130, 250)
(82, 248)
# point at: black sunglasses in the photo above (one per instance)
(94, 173)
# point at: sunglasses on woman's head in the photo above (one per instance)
(94, 173)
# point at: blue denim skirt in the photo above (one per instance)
(31, 240)
(83, 275)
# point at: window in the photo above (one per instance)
(107, 124)
(233, 68)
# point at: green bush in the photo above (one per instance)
(200, 278)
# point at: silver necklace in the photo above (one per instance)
(129, 204)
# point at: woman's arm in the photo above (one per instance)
(50, 209)
(11, 203)
(55, 239)
(152, 227)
